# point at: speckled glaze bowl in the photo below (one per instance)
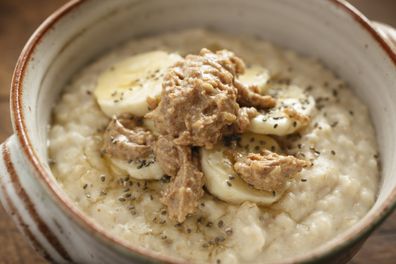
(357, 49)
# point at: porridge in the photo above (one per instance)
(214, 148)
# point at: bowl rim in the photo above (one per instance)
(20, 129)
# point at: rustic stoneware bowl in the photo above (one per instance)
(73, 36)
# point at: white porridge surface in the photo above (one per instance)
(327, 199)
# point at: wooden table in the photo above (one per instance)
(19, 18)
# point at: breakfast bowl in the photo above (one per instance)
(357, 50)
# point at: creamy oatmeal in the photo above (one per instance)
(278, 158)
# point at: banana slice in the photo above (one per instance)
(256, 76)
(147, 169)
(254, 143)
(224, 183)
(278, 121)
(149, 124)
(125, 87)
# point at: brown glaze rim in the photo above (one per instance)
(27, 202)
(388, 32)
(20, 130)
(37, 246)
(23, 226)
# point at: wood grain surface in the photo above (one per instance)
(19, 18)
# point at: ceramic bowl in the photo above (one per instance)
(81, 30)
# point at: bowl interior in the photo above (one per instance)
(316, 28)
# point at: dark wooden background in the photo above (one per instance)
(19, 18)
